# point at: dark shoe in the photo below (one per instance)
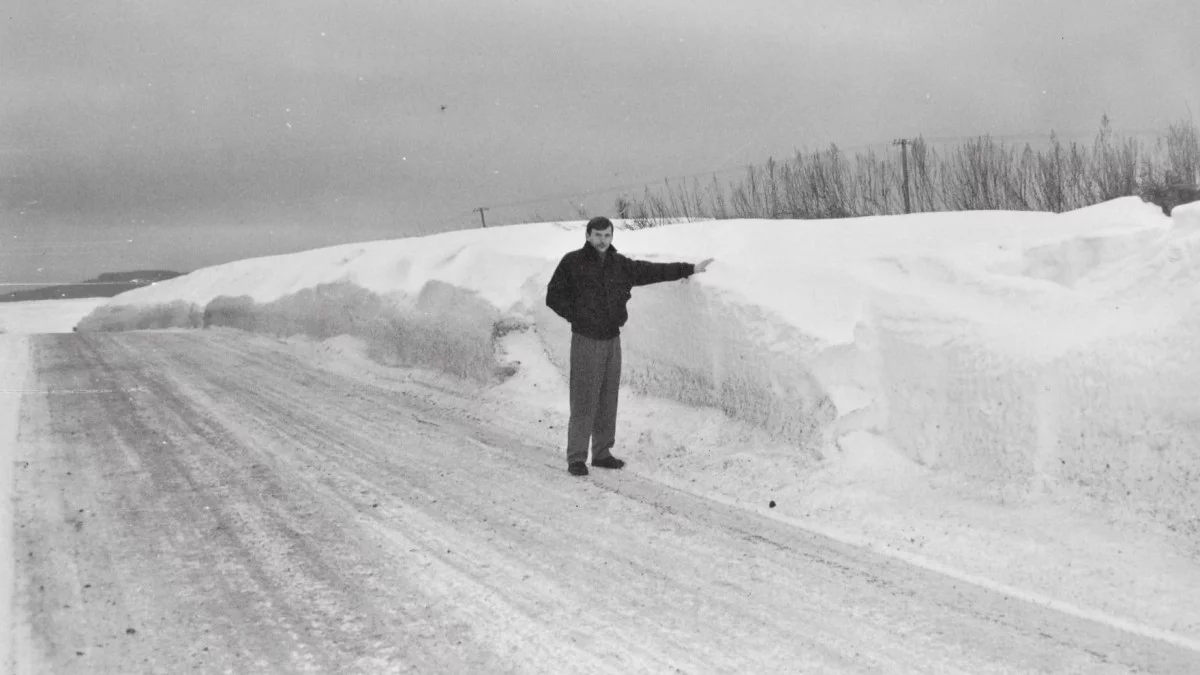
(577, 469)
(608, 463)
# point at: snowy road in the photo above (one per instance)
(199, 501)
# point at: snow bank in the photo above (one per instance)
(1027, 353)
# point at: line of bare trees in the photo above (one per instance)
(981, 173)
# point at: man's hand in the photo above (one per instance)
(702, 265)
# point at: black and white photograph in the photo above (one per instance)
(563, 337)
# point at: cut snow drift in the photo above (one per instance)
(1026, 355)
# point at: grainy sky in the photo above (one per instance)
(169, 134)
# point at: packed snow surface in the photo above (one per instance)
(1010, 392)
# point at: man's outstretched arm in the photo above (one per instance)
(560, 294)
(646, 273)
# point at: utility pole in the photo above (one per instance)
(481, 210)
(903, 143)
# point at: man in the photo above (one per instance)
(589, 289)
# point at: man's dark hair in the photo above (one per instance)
(598, 223)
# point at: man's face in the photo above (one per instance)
(600, 239)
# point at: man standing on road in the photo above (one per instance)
(589, 289)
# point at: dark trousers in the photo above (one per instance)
(595, 379)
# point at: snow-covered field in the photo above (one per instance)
(1007, 397)
(45, 316)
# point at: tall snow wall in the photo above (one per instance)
(1053, 363)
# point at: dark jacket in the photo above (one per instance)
(591, 293)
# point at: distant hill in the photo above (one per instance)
(104, 286)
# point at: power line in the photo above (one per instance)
(613, 188)
(883, 143)
(742, 166)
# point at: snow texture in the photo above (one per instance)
(1013, 359)
(1026, 350)
(45, 316)
(13, 371)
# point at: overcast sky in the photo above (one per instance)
(170, 134)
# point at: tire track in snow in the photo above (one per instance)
(328, 498)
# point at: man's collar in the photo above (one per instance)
(587, 246)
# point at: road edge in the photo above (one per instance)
(1033, 597)
(14, 374)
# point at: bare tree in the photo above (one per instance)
(1183, 155)
(1114, 165)
(980, 173)
(623, 207)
